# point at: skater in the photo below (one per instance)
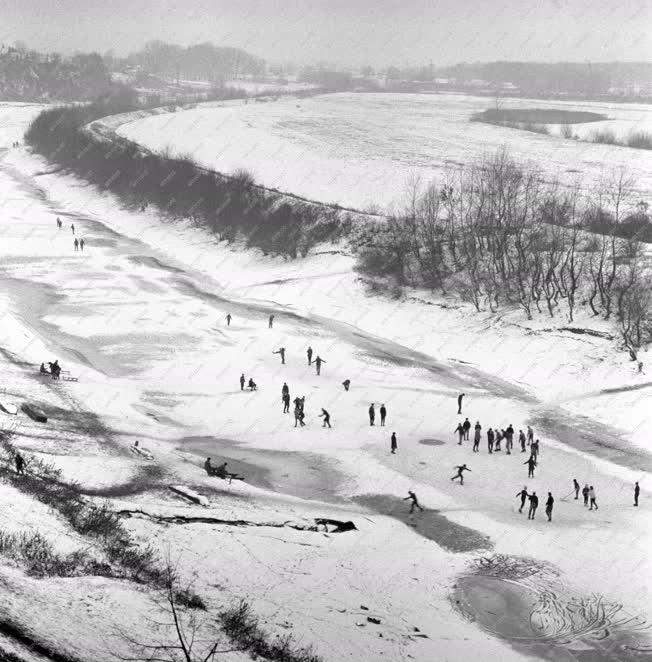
(459, 402)
(76, 244)
(346, 383)
(467, 426)
(460, 432)
(531, 463)
(549, 504)
(592, 498)
(460, 470)
(530, 435)
(286, 402)
(372, 414)
(394, 445)
(72, 227)
(415, 503)
(576, 487)
(242, 381)
(383, 414)
(534, 504)
(490, 440)
(509, 436)
(298, 402)
(535, 449)
(637, 491)
(228, 319)
(252, 385)
(271, 321)
(281, 351)
(523, 495)
(82, 243)
(20, 463)
(298, 415)
(499, 438)
(476, 438)
(521, 438)
(318, 362)
(585, 494)
(309, 353)
(327, 418)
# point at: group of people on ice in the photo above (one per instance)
(54, 371)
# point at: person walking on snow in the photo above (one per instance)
(467, 427)
(476, 438)
(281, 351)
(415, 503)
(592, 498)
(327, 418)
(534, 504)
(490, 440)
(228, 319)
(393, 444)
(318, 362)
(383, 415)
(19, 460)
(286, 402)
(531, 463)
(76, 244)
(637, 491)
(372, 414)
(459, 402)
(242, 381)
(271, 321)
(576, 487)
(82, 243)
(460, 470)
(309, 353)
(72, 227)
(530, 435)
(535, 449)
(549, 504)
(285, 389)
(521, 438)
(523, 494)
(585, 494)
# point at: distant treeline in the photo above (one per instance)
(203, 61)
(231, 206)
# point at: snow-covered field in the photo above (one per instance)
(361, 150)
(139, 317)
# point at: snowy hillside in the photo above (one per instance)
(139, 316)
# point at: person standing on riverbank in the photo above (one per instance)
(309, 354)
(459, 402)
(372, 414)
(242, 381)
(383, 415)
(228, 319)
(76, 244)
(393, 443)
(637, 491)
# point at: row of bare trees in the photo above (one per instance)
(497, 234)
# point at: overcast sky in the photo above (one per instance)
(347, 32)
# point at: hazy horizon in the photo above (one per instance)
(380, 32)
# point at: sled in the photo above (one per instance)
(8, 409)
(67, 377)
(34, 413)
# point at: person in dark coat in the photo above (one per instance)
(460, 433)
(459, 402)
(228, 319)
(327, 418)
(271, 321)
(576, 487)
(459, 474)
(383, 414)
(490, 440)
(415, 503)
(394, 445)
(252, 386)
(346, 384)
(19, 460)
(585, 494)
(521, 438)
(309, 353)
(281, 351)
(318, 362)
(82, 243)
(286, 402)
(531, 463)
(523, 495)
(549, 504)
(372, 414)
(637, 491)
(242, 381)
(476, 437)
(467, 426)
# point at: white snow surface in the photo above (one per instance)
(139, 317)
(362, 150)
